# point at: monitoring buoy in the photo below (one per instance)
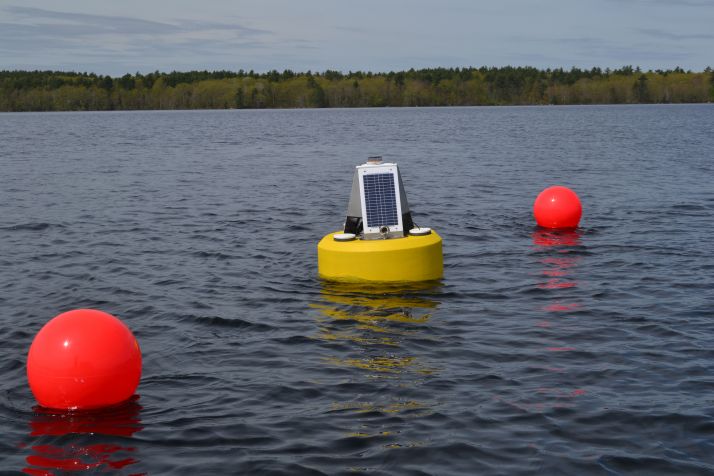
(380, 242)
(83, 359)
(557, 207)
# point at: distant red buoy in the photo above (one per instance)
(83, 359)
(557, 207)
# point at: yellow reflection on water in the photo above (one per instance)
(376, 325)
(378, 364)
(375, 318)
(418, 408)
(379, 315)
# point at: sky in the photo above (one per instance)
(118, 37)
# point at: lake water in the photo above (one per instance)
(590, 352)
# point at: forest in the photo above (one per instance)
(73, 91)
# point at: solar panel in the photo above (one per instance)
(380, 200)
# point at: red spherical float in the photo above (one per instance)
(557, 207)
(83, 359)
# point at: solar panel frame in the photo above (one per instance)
(380, 198)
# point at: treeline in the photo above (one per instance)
(70, 91)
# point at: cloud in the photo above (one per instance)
(669, 3)
(56, 37)
(666, 35)
(83, 24)
(335, 35)
(589, 51)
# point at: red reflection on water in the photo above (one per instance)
(557, 267)
(121, 421)
(65, 464)
(559, 272)
(562, 307)
(543, 237)
(554, 272)
(557, 284)
(558, 392)
(563, 262)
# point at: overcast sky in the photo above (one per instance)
(116, 37)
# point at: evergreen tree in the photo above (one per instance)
(641, 91)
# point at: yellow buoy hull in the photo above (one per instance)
(408, 259)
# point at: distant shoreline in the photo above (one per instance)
(26, 91)
(357, 108)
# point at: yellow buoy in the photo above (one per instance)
(408, 259)
(380, 241)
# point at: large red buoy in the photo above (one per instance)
(557, 207)
(83, 359)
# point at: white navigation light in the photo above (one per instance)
(380, 199)
(420, 231)
(344, 236)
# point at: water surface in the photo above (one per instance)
(589, 352)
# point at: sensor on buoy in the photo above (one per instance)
(379, 241)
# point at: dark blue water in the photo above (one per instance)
(590, 352)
